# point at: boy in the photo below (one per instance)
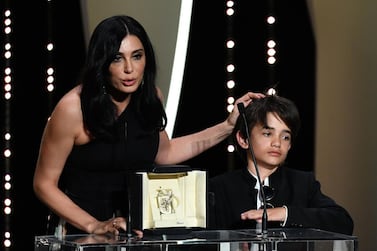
(294, 198)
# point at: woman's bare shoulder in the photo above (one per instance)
(67, 111)
(70, 102)
(67, 116)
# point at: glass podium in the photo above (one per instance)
(208, 240)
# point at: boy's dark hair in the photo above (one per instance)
(256, 113)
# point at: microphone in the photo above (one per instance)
(241, 109)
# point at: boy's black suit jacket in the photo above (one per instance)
(233, 193)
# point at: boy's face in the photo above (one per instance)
(270, 142)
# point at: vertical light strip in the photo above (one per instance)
(7, 135)
(178, 65)
(50, 79)
(230, 67)
(271, 44)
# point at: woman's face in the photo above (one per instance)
(127, 69)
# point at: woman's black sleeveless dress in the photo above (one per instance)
(95, 175)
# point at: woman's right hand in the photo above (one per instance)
(115, 226)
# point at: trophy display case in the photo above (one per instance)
(169, 200)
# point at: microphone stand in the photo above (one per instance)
(241, 109)
(128, 184)
(129, 219)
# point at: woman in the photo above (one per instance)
(112, 123)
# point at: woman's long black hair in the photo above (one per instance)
(99, 112)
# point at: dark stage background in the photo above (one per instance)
(203, 95)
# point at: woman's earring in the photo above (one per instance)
(104, 90)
